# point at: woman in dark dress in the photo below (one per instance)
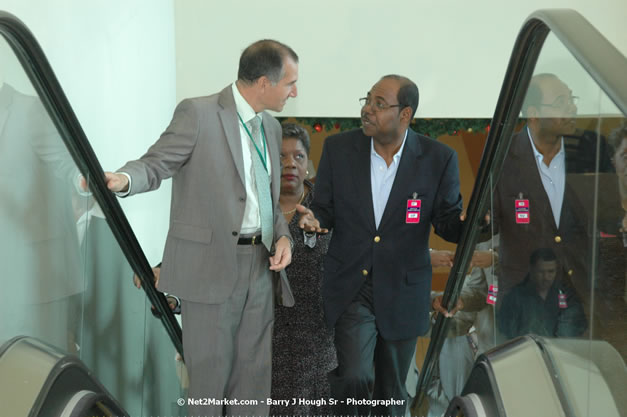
(303, 350)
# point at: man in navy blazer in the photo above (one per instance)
(380, 189)
(552, 168)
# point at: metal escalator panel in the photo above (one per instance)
(519, 380)
(532, 376)
(24, 369)
(39, 380)
(469, 405)
(87, 403)
(592, 375)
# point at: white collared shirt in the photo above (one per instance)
(553, 178)
(251, 222)
(382, 178)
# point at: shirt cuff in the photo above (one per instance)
(291, 242)
(177, 308)
(130, 182)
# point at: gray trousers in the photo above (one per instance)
(228, 346)
(369, 366)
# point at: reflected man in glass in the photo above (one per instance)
(39, 250)
(543, 304)
(535, 202)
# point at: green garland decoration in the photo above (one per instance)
(430, 127)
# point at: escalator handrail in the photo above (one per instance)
(40, 73)
(599, 58)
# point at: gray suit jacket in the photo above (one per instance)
(201, 150)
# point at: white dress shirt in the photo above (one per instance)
(251, 222)
(553, 178)
(382, 178)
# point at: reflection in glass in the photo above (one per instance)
(65, 279)
(471, 330)
(542, 304)
(558, 196)
(560, 231)
(39, 247)
(557, 212)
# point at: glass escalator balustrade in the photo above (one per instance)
(558, 210)
(39, 212)
(65, 279)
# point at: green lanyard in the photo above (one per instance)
(250, 136)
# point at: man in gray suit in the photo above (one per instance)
(222, 152)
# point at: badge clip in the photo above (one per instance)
(412, 215)
(493, 292)
(521, 210)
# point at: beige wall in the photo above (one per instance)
(115, 61)
(456, 50)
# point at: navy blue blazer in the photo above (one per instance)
(396, 254)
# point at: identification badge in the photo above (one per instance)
(413, 211)
(521, 211)
(562, 300)
(493, 291)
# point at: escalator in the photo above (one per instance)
(42, 381)
(76, 337)
(70, 256)
(544, 333)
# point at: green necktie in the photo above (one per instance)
(262, 183)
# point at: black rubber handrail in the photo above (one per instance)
(605, 64)
(36, 66)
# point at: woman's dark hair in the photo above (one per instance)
(294, 131)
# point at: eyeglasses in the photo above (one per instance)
(377, 105)
(562, 102)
